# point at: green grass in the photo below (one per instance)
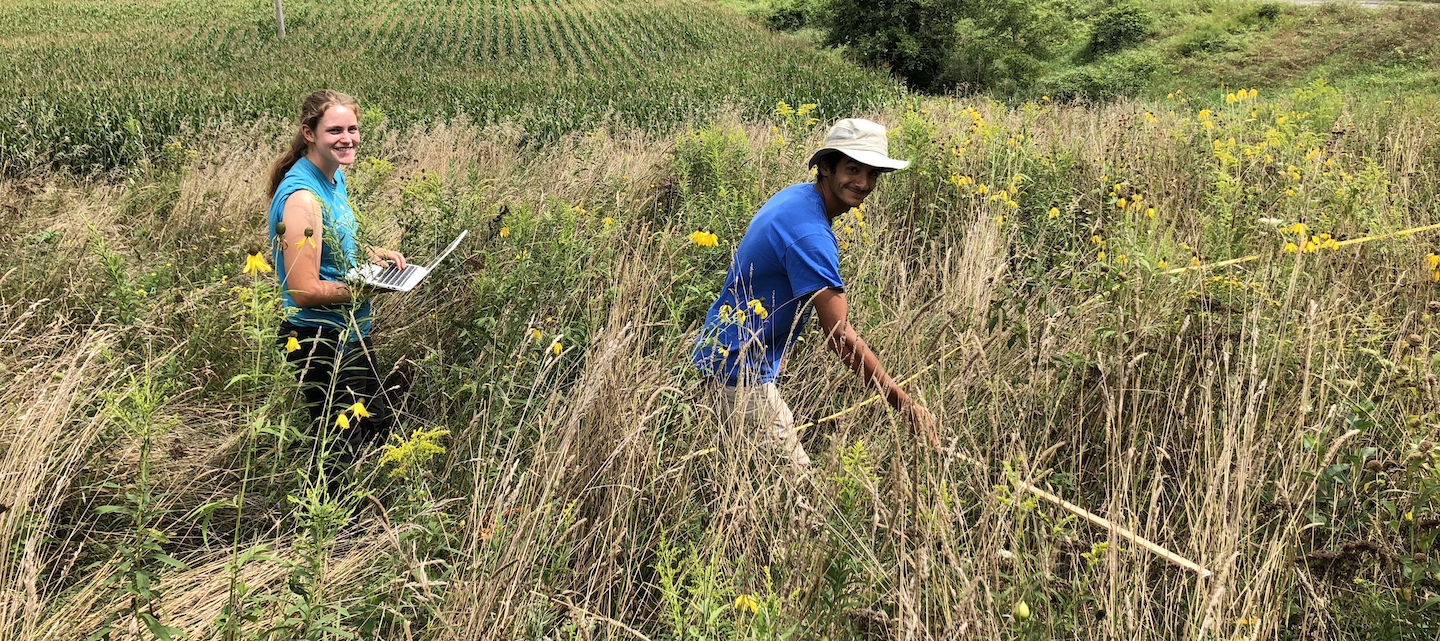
(89, 85)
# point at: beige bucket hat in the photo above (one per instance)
(863, 141)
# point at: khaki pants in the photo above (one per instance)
(758, 409)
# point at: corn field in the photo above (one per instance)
(98, 85)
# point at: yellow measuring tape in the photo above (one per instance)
(1352, 241)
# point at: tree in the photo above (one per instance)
(911, 37)
(279, 20)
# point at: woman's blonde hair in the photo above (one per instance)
(311, 110)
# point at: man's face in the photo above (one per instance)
(851, 181)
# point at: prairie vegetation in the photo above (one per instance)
(1271, 421)
(1183, 314)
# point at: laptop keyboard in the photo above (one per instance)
(394, 277)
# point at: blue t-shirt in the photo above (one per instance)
(339, 249)
(788, 253)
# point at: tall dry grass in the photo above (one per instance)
(595, 494)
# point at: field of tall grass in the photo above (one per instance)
(1055, 275)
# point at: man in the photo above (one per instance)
(788, 265)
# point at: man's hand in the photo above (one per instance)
(923, 422)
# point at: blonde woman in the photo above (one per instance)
(326, 333)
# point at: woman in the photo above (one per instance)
(327, 326)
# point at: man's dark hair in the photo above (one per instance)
(829, 161)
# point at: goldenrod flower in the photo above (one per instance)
(359, 410)
(747, 602)
(292, 344)
(504, 232)
(255, 265)
(342, 421)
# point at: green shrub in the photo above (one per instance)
(792, 15)
(1124, 74)
(1118, 28)
(1208, 37)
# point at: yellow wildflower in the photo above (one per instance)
(747, 602)
(1100, 256)
(609, 221)
(1122, 259)
(704, 238)
(1150, 213)
(359, 409)
(342, 421)
(255, 264)
(1205, 114)
(1290, 248)
(724, 313)
(1054, 212)
(758, 306)
(982, 189)
(309, 238)
(292, 344)
(557, 347)
(504, 232)
(1162, 264)
(535, 334)
(1122, 203)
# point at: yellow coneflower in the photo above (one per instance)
(1163, 264)
(704, 238)
(504, 232)
(747, 602)
(342, 421)
(557, 347)
(1150, 213)
(292, 343)
(1054, 212)
(255, 264)
(309, 238)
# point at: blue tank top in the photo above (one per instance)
(339, 249)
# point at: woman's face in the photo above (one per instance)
(336, 136)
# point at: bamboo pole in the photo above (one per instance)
(1117, 530)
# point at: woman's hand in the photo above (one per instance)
(381, 255)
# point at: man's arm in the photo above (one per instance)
(833, 312)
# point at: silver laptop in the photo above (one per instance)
(400, 280)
